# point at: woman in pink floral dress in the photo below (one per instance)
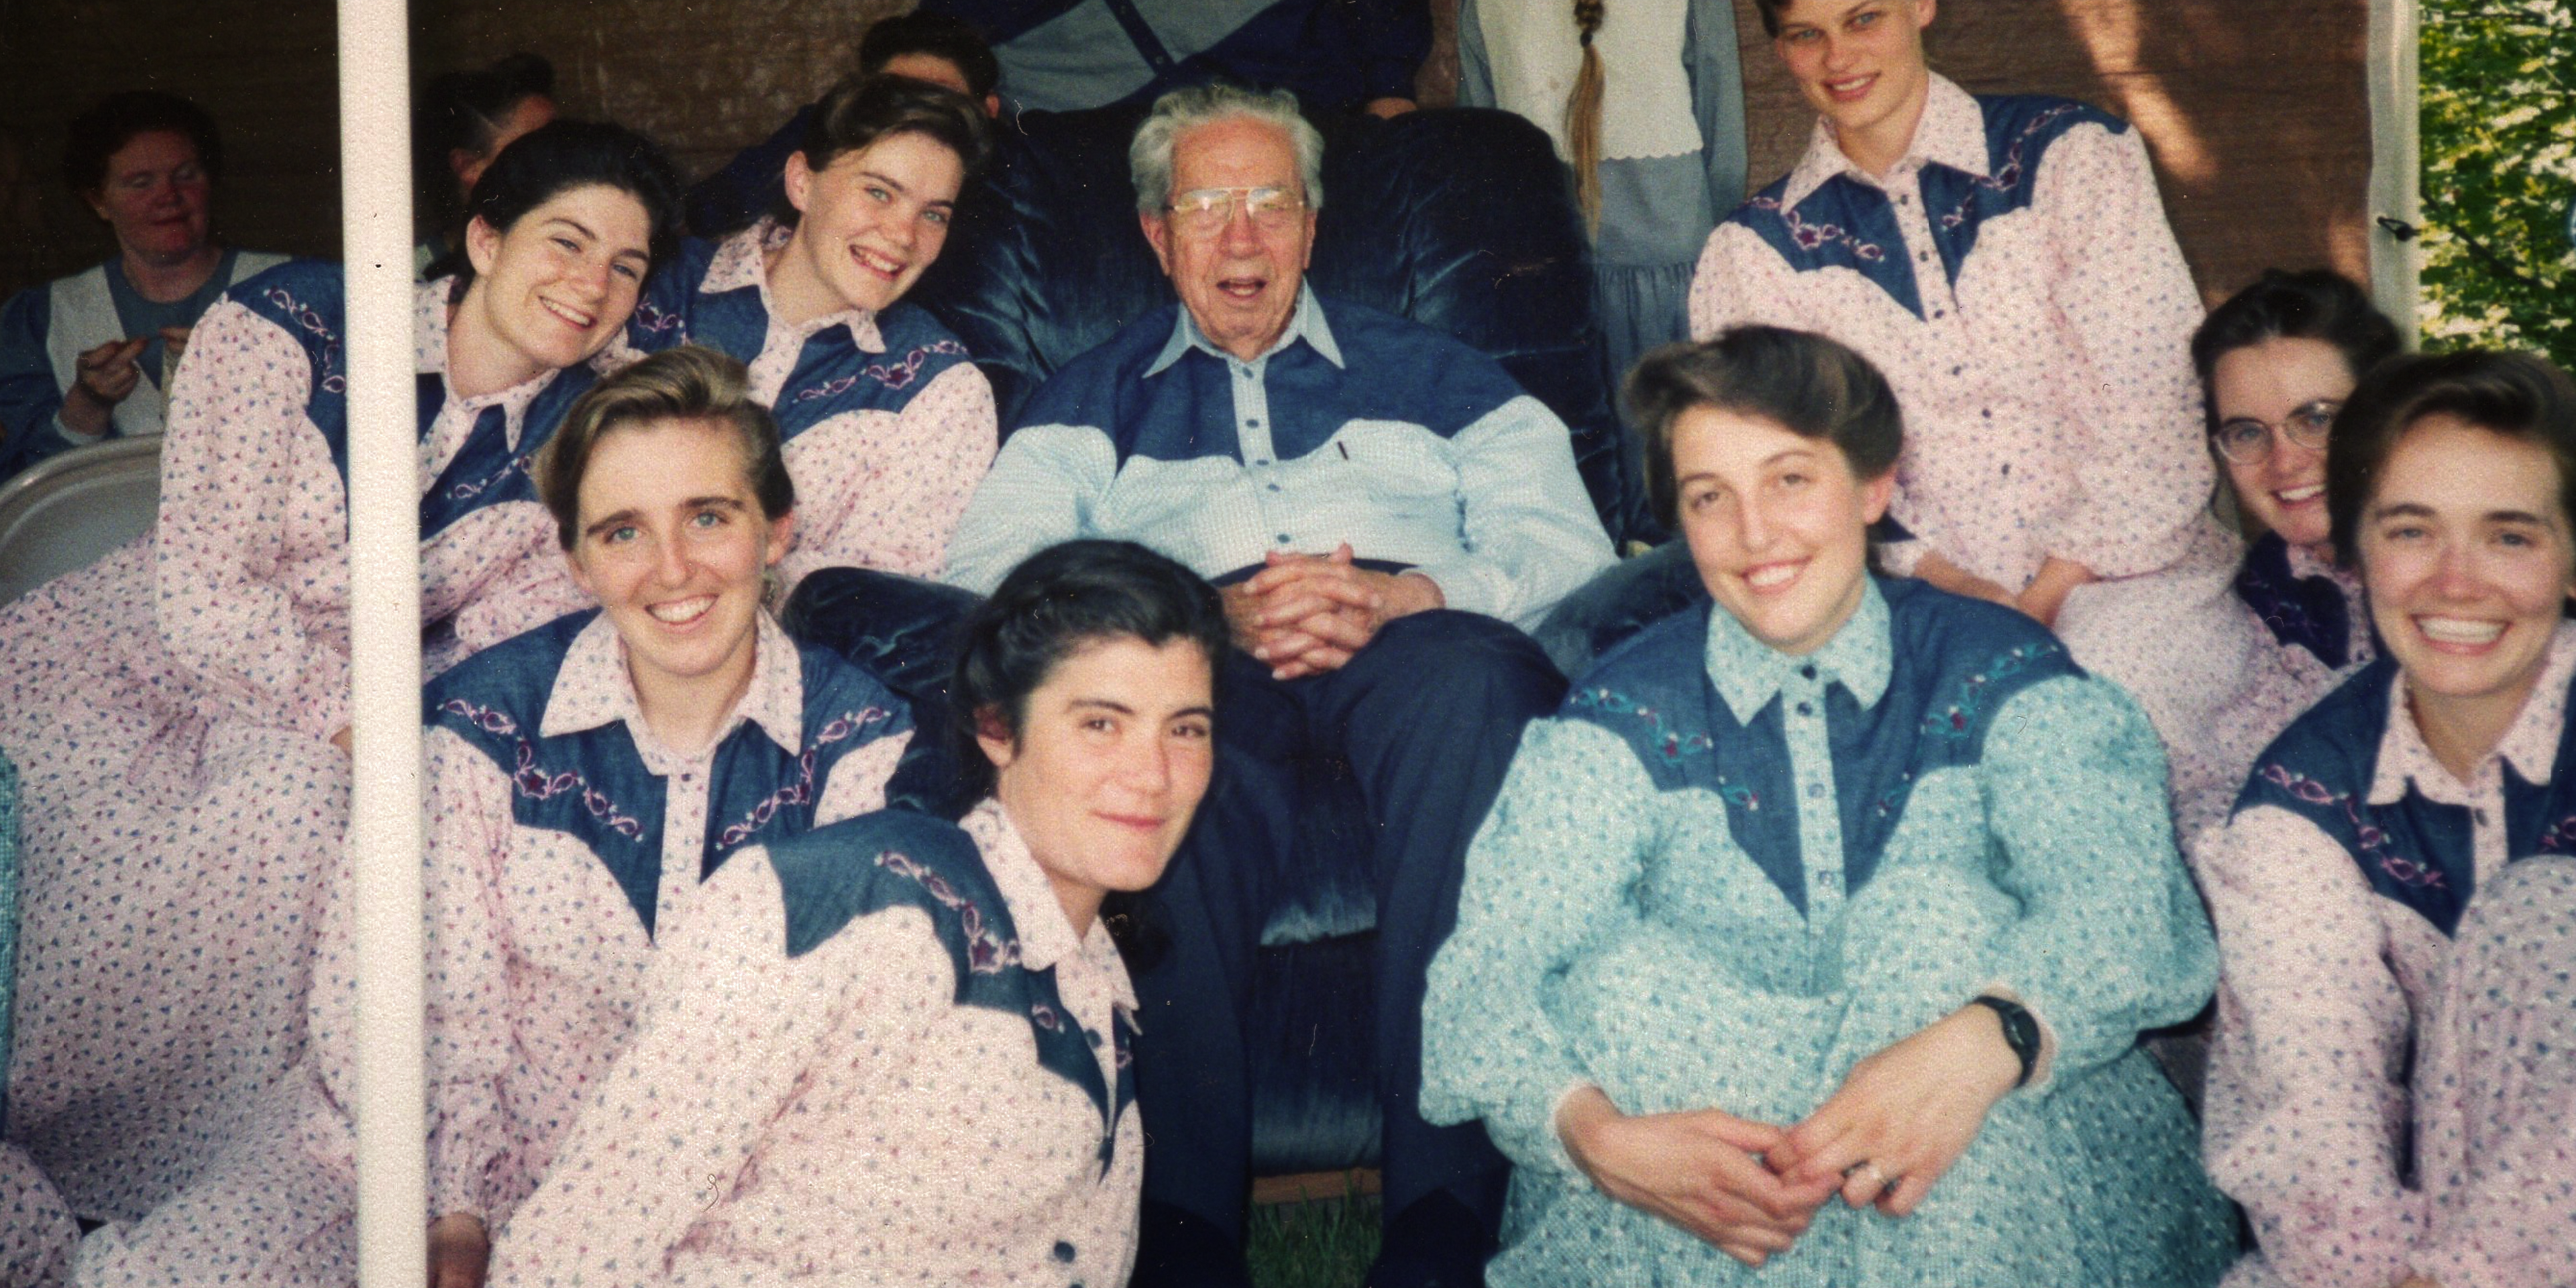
(179, 710)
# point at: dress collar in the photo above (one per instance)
(2530, 744)
(429, 315)
(742, 261)
(1952, 132)
(1046, 936)
(1306, 323)
(1748, 673)
(594, 689)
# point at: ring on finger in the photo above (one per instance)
(1876, 1177)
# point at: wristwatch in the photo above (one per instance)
(2021, 1031)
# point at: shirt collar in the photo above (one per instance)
(429, 315)
(1952, 132)
(1306, 323)
(742, 261)
(594, 689)
(1748, 672)
(2530, 744)
(1046, 935)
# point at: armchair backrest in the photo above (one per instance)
(1460, 219)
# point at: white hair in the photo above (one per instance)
(1149, 158)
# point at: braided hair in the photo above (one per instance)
(1583, 115)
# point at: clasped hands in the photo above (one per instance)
(107, 374)
(1307, 614)
(1899, 1120)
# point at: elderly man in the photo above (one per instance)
(1386, 509)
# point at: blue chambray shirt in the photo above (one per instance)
(1356, 426)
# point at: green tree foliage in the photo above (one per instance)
(2499, 136)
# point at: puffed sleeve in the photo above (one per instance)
(2305, 1117)
(237, 462)
(2130, 305)
(2110, 938)
(680, 1118)
(468, 1028)
(898, 507)
(1548, 871)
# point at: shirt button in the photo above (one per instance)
(1988, 413)
(1940, 313)
(1806, 708)
(1922, 257)
(1274, 487)
(1063, 1250)
(1829, 880)
(1815, 791)
(1263, 461)
(1095, 1039)
(1807, 672)
(1283, 538)
(1255, 422)
(2480, 815)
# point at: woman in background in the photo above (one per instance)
(90, 357)
(178, 711)
(460, 122)
(923, 1077)
(2390, 1095)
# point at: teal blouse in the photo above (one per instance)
(1721, 875)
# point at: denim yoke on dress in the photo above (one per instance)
(898, 859)
(832, 377)
(306, 301)
(2414, 851)
(592, 785)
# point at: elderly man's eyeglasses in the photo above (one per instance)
(2248, 441)
(1208, 209)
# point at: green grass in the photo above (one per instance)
(1313, 1243)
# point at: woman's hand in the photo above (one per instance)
(1939, 571)
(2048, 588)
(1904, 1115)
(459, 1251)
(1697, 1170)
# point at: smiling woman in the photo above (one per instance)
(924, 1066)
(888, 425)
(1840, 892)
(2396, 909)
(182, 707)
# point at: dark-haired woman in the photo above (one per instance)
(583, 778)
(1838, 892)
(889, 426)
(923, 1072)
(2226, 649)
(179, 710)
(90, 356)
(2392, 1089)
(461, 122)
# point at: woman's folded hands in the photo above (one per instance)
(1899, 1120)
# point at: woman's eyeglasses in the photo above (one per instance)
(2248, 441)
(1208, 209)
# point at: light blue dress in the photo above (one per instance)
(1721, 875)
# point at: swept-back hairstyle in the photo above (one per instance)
(859, 111)
(1805, 383)
(568, 154)
(97, 134)
(1058, 602)
(938, 35)
(689, 383)
(2515, 395)
(2314, 304)
(1149, 157)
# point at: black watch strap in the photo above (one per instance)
(2021, 1031)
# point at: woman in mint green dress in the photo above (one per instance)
(1810, 941)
